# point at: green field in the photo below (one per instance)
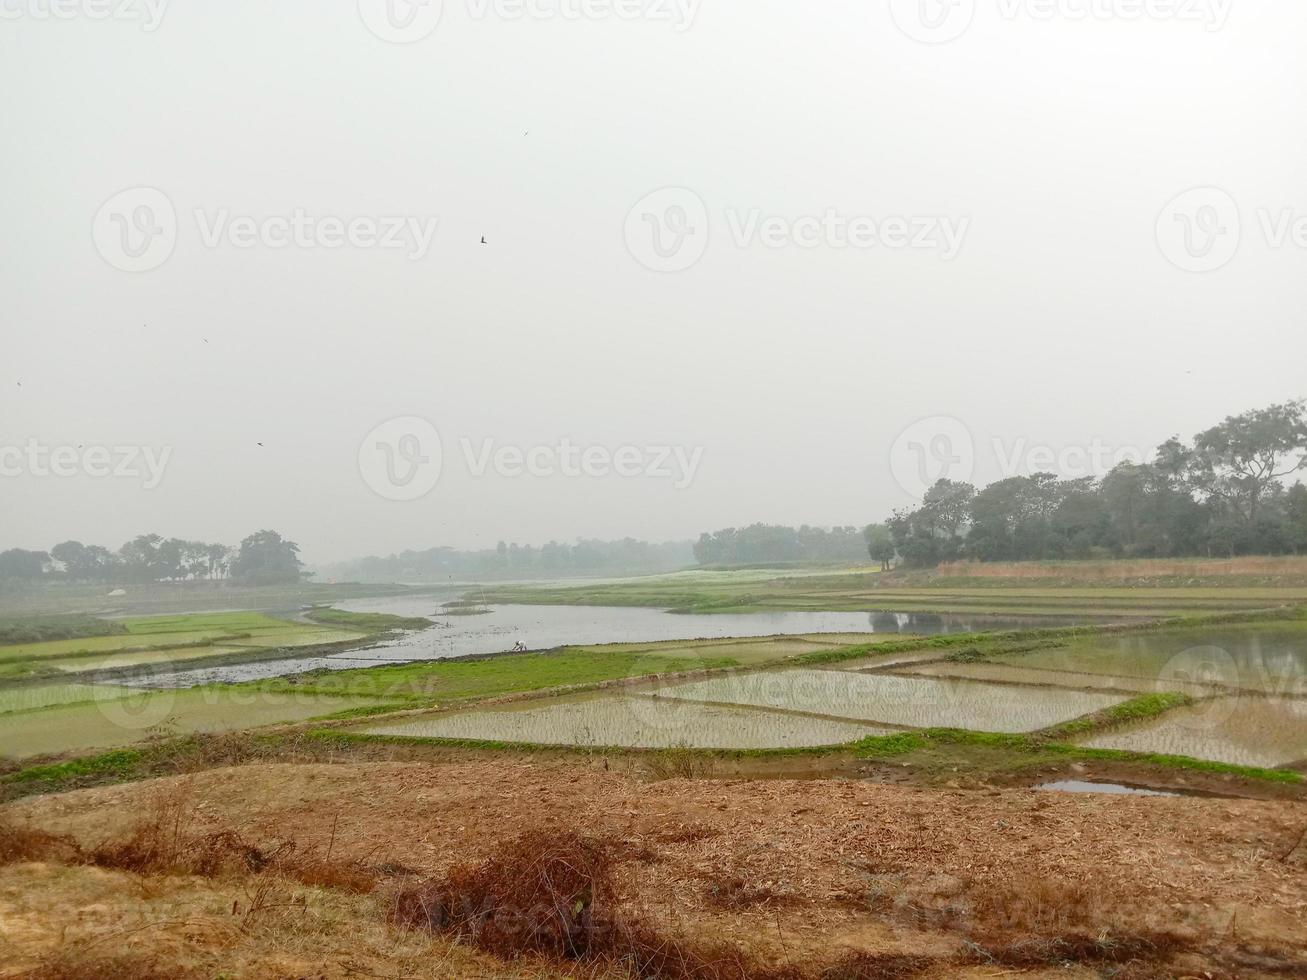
(29, 599)
(468, 680)
(868, 590)
(38, 629)
(162, 639)
(122, 720)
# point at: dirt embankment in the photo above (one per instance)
(802, 874)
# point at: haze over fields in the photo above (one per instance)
(1033, 295)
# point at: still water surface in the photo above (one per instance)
(546, 627)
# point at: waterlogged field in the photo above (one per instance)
(1268, 658)
(916, 702)
(1002, 673)
(776, 679)
(1243, 731)
(112, 720)
(1083, 592)
(41, 713)
(30, 697)
(165, 639)
(633, 722)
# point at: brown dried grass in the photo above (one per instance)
(72, 963)
(22, 843)
(1134, 568)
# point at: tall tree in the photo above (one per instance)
(266, 558)
(1239, 460)
(17, 563)
(880, 545)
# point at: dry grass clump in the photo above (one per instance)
(738, 892)
(18, 843)
(164, 843)
(73, 963)
(1043, 921)
(1042, 905)
(678, 762)
(552, 894)
(1141, 949)
(1131, 568)
(879, 966)
(544, 892)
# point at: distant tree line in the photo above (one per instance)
(584, 557)
(1224, 494)
(263, 558)
(766, 543)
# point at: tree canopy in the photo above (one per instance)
(1224, 494)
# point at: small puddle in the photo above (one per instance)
(1116, 789)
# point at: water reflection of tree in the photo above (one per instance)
(900, 622)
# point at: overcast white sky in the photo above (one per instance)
(1051, 143)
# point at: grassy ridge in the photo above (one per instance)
(39, 629)
(970, 647)
(466, 680)
(868, 590)
(162, 635)
(940, 740)
(367, 622)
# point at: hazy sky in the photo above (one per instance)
(769, 319)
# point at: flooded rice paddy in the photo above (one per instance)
(33, 696)
(1268, 659)
(1244, 731)
(1003, 673)
(917, 702)
(634, 722)
(1014, 694)
(112, 720)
